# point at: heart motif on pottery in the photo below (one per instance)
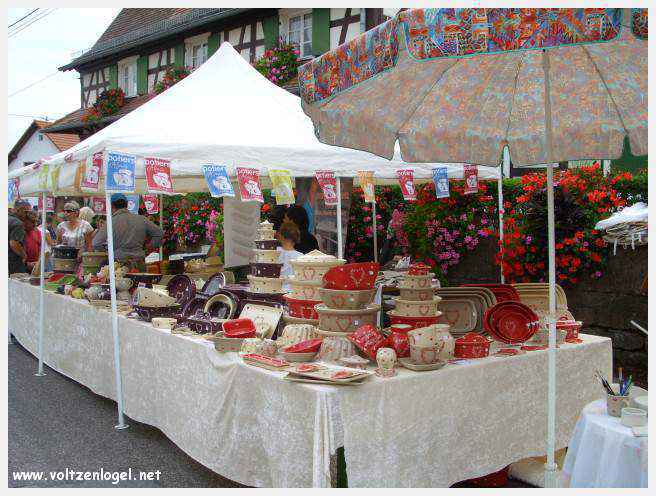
(308, 293)
(343, 323)
(309, 273)
(422, 283)
(339, 301)
(423, 310)
(509, 326)
(452, 316)
(357, 275)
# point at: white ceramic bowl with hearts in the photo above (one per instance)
(410, 308)
(304, 290)
(416, 282)
(266, 256)
(347, 299)
(416, 294)
(264, 284)
(346, 321)
(312, 266)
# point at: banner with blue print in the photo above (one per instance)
(120, 172)
(133, 203)
(218, 180)
(441, 180)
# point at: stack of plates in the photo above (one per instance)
(511, 322)
(502, 292)
(459, 303)
(536, 296)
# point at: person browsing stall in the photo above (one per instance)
(33, 240)
(74, 232)
(132, 233)
(288, 235)
(298, 215)
(16, 232)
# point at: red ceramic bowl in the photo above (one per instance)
(472, 345)
(415, 322)
(307, 346)
(510, 322)
(418, 269)
(351, 276)
(239, 328)
(573, 327)
(303, 309)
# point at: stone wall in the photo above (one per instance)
(605, 305)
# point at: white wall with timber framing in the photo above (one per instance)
(93, 84)
(247, 39)
(344, 25)
(158, 63)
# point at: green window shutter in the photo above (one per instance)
(113, 77)
(320, 31)
(179, 55)
(142, 75)
(271, 28)
(212, 44)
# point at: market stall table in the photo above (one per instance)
(427, 429)
(605, 453)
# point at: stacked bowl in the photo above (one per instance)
(346, 294)
(265, 269)
(306, 282)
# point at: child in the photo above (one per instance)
(288, 235)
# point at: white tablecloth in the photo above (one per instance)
(605, 453)
(428, 429)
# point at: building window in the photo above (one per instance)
(300, 33)
(127, 76)
(196, 54)
(40, 137)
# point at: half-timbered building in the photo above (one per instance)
(140, 45)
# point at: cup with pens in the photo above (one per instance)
(618, 398)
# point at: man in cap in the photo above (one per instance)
(16, 232)
(131, 233)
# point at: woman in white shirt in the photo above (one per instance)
(74, 231)
(288, 235)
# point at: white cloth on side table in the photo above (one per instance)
(605, 453)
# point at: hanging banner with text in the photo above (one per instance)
(218, 181)
(240, 222)
(53, 184)
(328, 183)
(470, 173)
(98, 205)
(120, 172)
(151, 202)
(367, 184)
(14, 190)
(133, 203)
(406, 179)
(249, 184)
(158, 175)
(283, 189)
(43, 175)
(50, 203)
(441, 181)
(92, 172)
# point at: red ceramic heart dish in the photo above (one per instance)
(510, 322)
(307, 346)
(352, 276)
(368, 340)
(398, 341)
(239, 328)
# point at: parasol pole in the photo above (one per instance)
(339, 217)
(506, 163)
(112, 285)
(375, 230)
(42, 262)
(550, 468)
(161, 226)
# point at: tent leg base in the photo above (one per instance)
(40, 374)
(551, 475)
(121, 427)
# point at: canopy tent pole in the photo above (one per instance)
(506, 164)
(42, 262)
(112, 283)
(550, 467)
(373, 216)
(161, 226)
(339, 217)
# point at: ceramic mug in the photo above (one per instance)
(614, 404)
(423, 337)
(386, 358)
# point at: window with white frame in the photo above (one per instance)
(127, 76)
(299, 33)
(196, 50)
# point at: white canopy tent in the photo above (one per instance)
(224, 113)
